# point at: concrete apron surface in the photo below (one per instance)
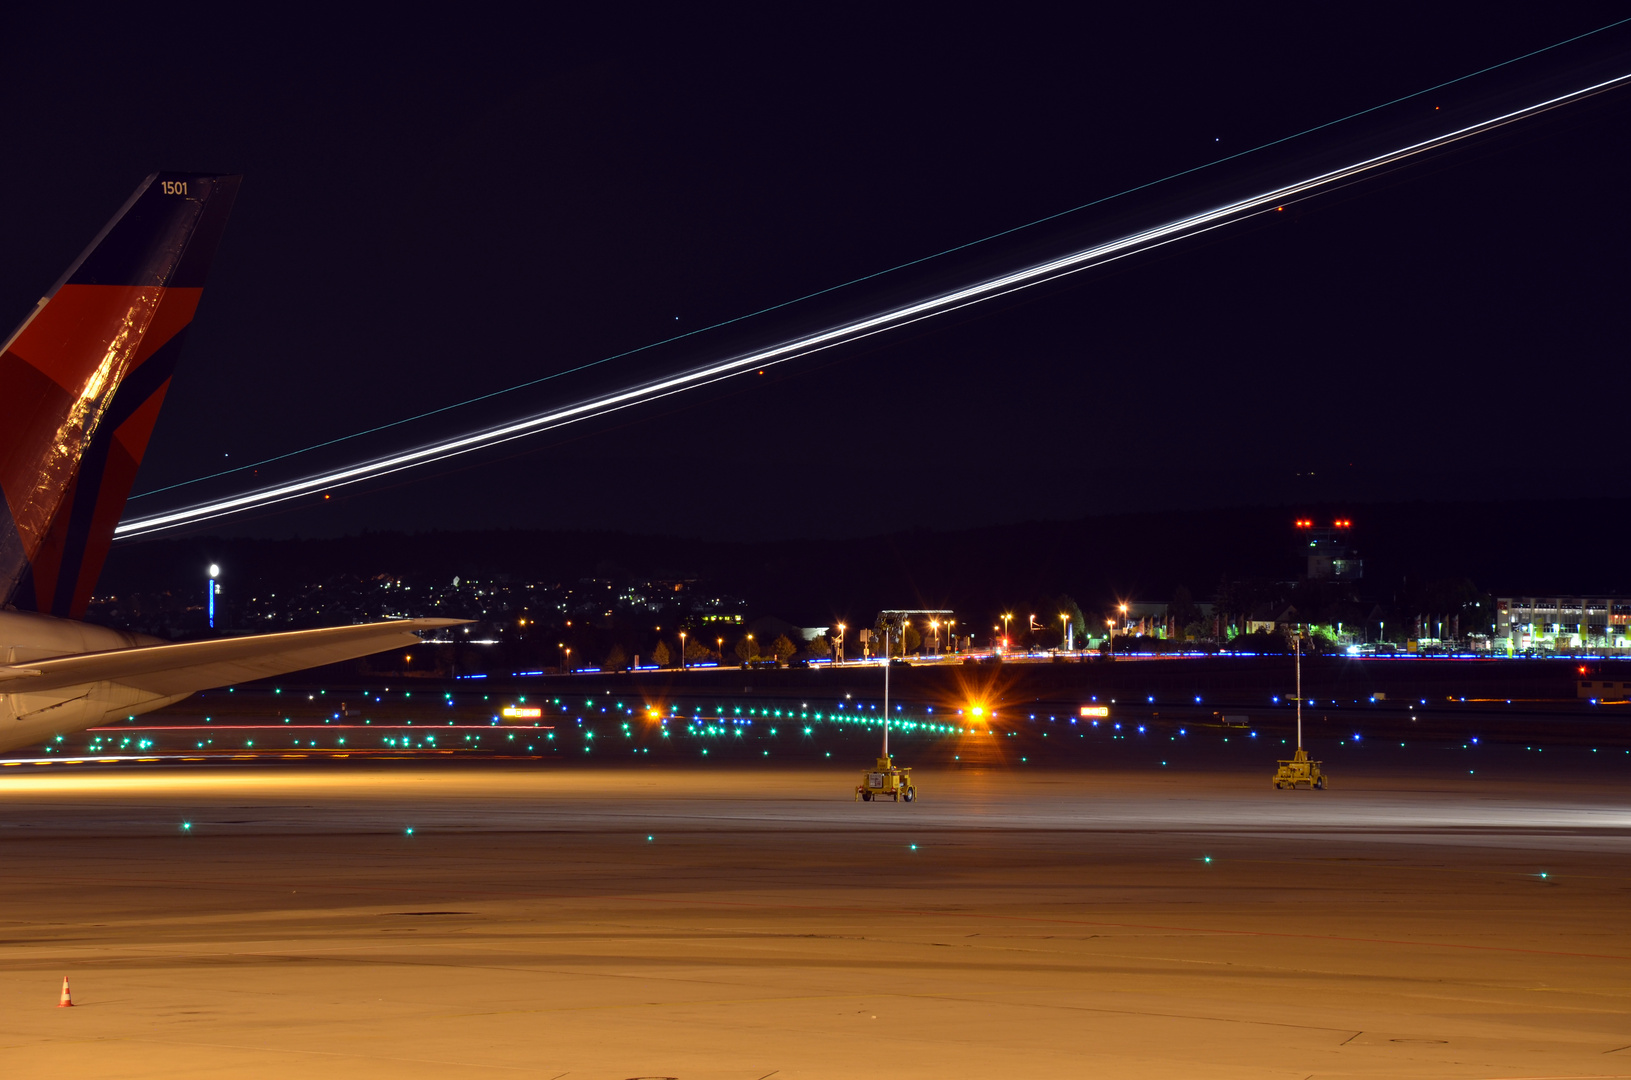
(745, 924)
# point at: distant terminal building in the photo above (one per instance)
(1162, 620)
(1556, 623)
(1329, 551)
(935, 626)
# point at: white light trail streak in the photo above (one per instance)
(991, 288)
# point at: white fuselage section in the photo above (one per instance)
(27, 718)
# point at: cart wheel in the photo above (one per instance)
(1320, 783)
(866, 796)
(911, 794)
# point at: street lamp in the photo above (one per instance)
(721, 643)
(838, 653)
(1065, 621)
(934, 624)
(212, 588)
(1005, 619)
(682, 650)
(951, 634)
(566, 657)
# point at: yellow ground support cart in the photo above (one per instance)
(886, 781)
(1299, 770)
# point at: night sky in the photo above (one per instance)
(436, 210)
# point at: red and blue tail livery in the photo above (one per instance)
(82, 380)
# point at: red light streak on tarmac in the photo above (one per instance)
(428, 726)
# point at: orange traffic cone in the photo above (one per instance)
(66, 1002)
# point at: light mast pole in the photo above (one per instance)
(886, 691)
(1299, 647)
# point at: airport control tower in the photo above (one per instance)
(1329, 550)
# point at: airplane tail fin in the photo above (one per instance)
(82, 379)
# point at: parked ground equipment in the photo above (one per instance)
(886, 781)
(1299, 770)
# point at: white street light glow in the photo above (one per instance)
(1086, 259)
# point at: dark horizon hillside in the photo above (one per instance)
(1531, 547)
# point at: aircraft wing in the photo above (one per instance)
(190, 666)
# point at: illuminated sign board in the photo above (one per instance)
(521, 712)
(1096, 710)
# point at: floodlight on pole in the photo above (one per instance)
(1299, 650)
(886, 665)
(211, 587)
